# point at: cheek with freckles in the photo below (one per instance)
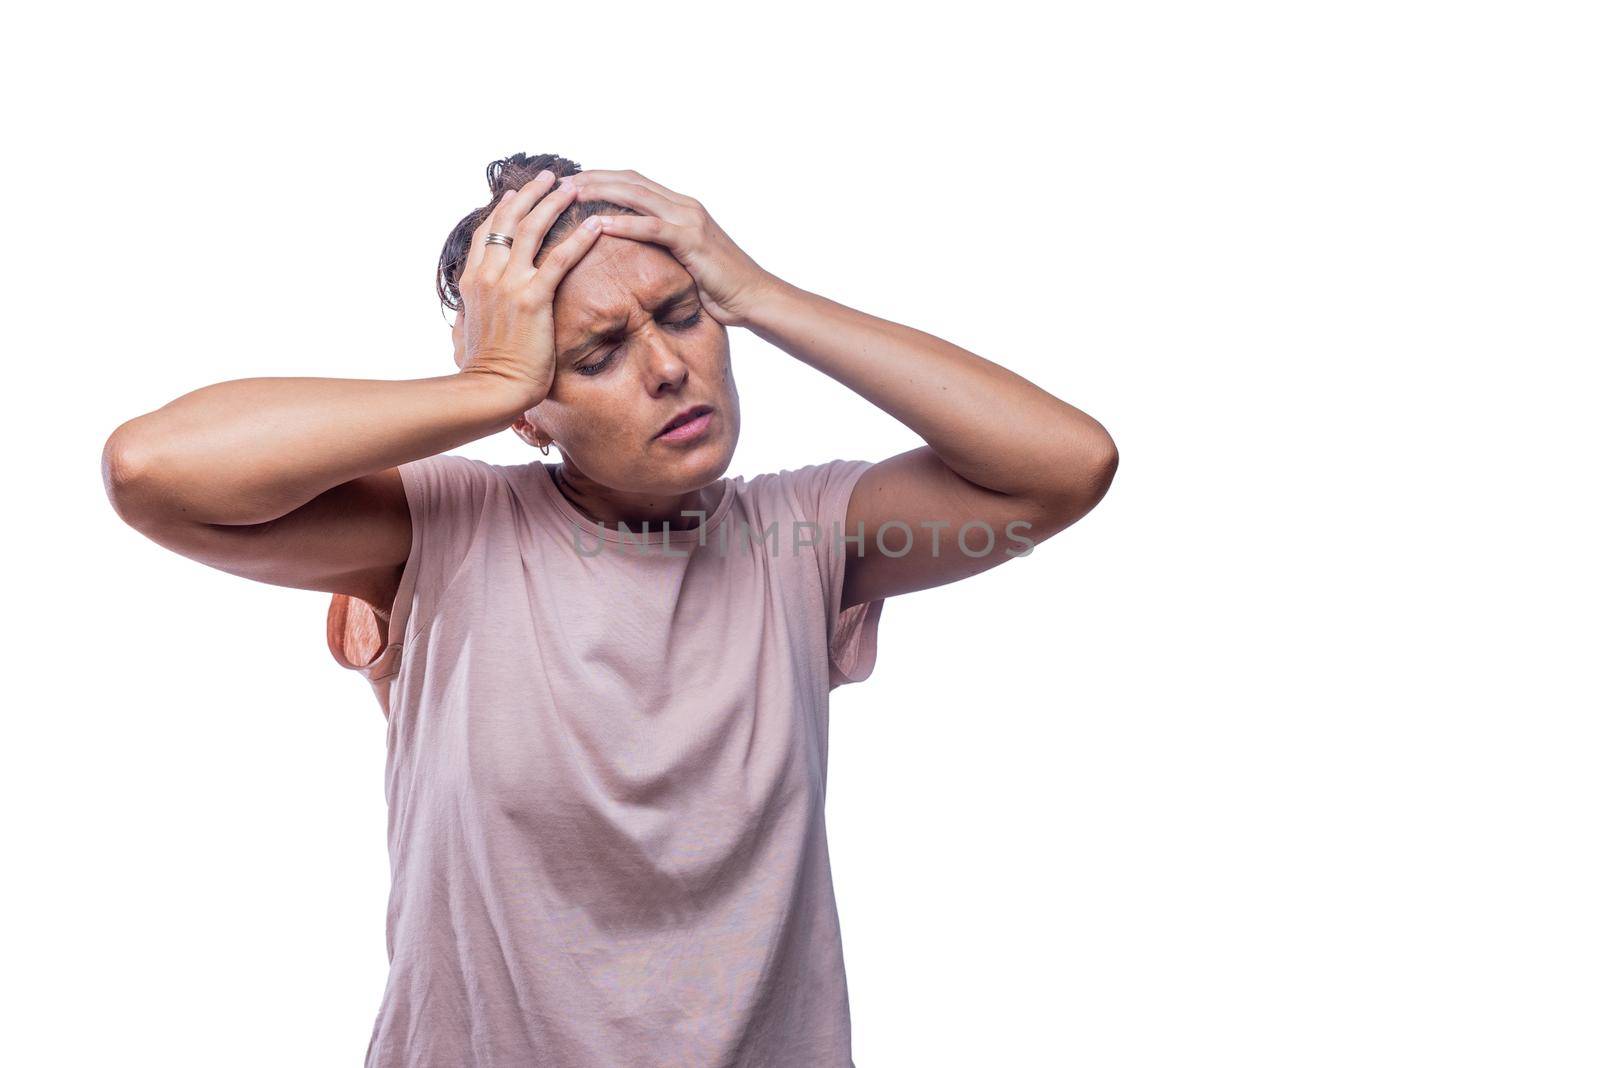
(593, 422)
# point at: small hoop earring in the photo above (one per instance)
(545, 449)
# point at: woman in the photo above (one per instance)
(606, 679)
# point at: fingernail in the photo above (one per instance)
(542, 175)
(592, 223)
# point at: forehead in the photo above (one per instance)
(615, 276)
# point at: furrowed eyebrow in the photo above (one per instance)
(603, 333)
(590, 337)
(679, 297)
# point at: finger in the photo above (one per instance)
(638, 179)
(639, 228)
(638, 197)
(534, 226)
(503, 220)
(566, 254)
(475, 250)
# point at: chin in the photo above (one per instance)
(695, 468)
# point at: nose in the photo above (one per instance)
(665, 368)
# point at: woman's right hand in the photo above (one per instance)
(506, 325)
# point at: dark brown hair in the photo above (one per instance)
(514, 172)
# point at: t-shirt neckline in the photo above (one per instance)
(650, 534)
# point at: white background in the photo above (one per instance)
(1285, 755)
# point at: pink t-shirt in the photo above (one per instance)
(607, 760)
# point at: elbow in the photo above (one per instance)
(1084, 480)
(1102, 468)
(124, 471)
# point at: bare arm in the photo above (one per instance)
(1000, 449)
(295, 481)
(254, 449)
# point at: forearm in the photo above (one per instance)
(253, 449)
(989, 425)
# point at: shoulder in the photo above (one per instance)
(446, 480)
(812, 491)
(454, 468)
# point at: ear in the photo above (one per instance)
(530, 432)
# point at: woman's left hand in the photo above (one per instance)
(731, 284)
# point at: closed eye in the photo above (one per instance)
(599, 365)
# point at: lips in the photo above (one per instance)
(685, 416)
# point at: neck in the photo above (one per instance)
(610, 507)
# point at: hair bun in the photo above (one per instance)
(518, 170)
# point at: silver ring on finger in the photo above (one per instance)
(498, 239)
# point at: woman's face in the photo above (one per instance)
(634, 348)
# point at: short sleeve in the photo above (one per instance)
(447, 496)
(823, 492)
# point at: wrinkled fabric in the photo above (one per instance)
(607, 762)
